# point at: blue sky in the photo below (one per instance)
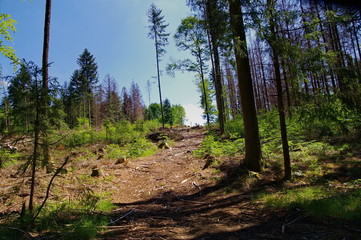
(115, 32)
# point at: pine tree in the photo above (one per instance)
(137, 103)
(127, 105)
(22, 98)
(83, 82)
(168, 114)
(112, 103)
(157, 32)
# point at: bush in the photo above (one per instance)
(78, 138)
(326, 116)
(140, 147)
(217, 148)
(7, 157)
(235, 127)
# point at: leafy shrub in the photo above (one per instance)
(82, 137)
(217, 148)
(140, 147)
(7, 157)
(146, 127)
(114, 151)
(326, 116)
(235, 127)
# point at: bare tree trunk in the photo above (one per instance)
(263, 72)
(35, 150)
(159, 87)
(45, 91)
(252, 140)
(200, 62)
(216, 69)
(232, 90)
(281, 108)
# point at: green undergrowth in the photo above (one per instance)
(121, 133)
(324, 149)
(8, 158)
(318, 201)
(138, 148)
(213, 146)
(81, 218)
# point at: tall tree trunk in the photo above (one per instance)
(34, 161)
(218, 86)
(285, 79)
(252, 140)
(263, 72)
(281, 108)
(45, 83)
(200, 62)
(158, 75)
(232, 90)
(216, 65)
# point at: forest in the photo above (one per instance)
(279, 155)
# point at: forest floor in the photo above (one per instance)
(170, 195)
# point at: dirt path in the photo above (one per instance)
(170, 196)
(166, 174)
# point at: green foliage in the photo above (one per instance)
(179, 114)
(124, 132)
(235, 127)
(138, 148)
(24, 95)
(211, 146)
(153, 112)
(326, 116)
(157, 29)
(318, 201)
(173, 114)
(141, 148)
(81, 218)
(79, 94)
(7, 25)
(78, 138)
(206, 99)
(114, 151)
(7, 157)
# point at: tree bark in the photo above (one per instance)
(281, 108)
(158, 75)
(252, 141)
(200, 62)
(216, 66)
(45, 83)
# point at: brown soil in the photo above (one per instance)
(170, 196)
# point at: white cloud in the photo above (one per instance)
(193, 115)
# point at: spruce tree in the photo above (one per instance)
(83, 82)
(157, 32)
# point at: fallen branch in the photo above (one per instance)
(28, 235)
(353, 229)
(128, 213)
(293, 221)
(195, 184)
